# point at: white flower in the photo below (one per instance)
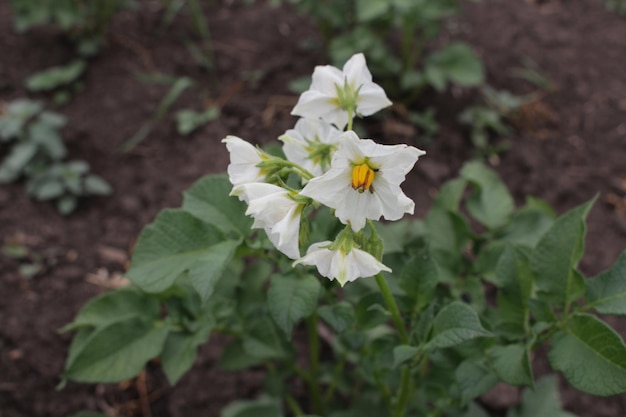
(340, 264)
(333, 92)
(275, 212)
(311, 144)
(244, 158)
(364, 181)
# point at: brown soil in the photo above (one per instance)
(569, 146)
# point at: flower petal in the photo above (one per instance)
(356, 71)
(244, 158)
(372, 98)
(336, 264)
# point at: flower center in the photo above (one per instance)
(362, 177)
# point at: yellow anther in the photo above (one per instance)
(362, 177)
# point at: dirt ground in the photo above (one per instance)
(569, 146)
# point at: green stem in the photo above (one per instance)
(384, 390)
(393, 308)
(294, 406)
(403, 394)
(305, 174)
(302, 374)
(350, 117)
(405, 385)
(328, 395)
(314, 358)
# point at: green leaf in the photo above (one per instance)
(208, 200)
(543, 401)
(48, 138)
(435, 77)
(13, 165)
(448, 235)
(52, 119)
(403, 353)
(457, 63)
(451, 193)
(118, 305)
(94, 185)
(116, 352)
(291, 298)
(49, 190)
(235, 358)
(556, 256)
(15, 250)
(395, 235)
(29, 270)
(55, 77)
(66, 204)
(262, 407)
(491, 203)
(529, 223)
(175, 243)
(516, 281)
(591, 356)
(446, 230)
(206, 272)
(367, 10)
(512, 364)
(475, 410)
(454, 324)
(606, 293)
(189, 120)
(178, 87)
(419, 278)
(88, 414)
(180, 351)
(474, 379)
(339, 316)
(23, 109)
(263, 340)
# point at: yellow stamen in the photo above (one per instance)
(362, 177)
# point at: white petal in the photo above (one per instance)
(252, 191)
(357, 207)
(366, 264)
(318, 255)
(398, 163)
(350, 150)
(356, 71)
(305, 135)
(335, 264)
(326, 78)
(243, 160)
(330, 188)
(315, 104)
(294, 146)
(275, 212)
(372, 98)
(393, 202)
(285, 233)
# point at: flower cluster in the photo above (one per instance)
(357, 178)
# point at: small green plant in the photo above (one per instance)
(187, 120)
(62, 80)
(374, 27)
(491, 118)
(85, 22)
(402, 318)
(31, 263)
(617, 6)
(30, 136)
